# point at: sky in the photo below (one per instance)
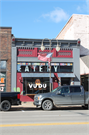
(39, 19)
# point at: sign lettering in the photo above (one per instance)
(39, 86)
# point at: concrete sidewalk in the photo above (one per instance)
(27, 104)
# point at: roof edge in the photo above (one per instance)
(5, 27)
(65, 25)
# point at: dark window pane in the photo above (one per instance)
(66, 69)
(35, 85)
(75, 89)
(65, 90)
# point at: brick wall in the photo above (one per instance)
(5, 53)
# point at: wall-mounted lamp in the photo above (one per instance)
(78, 42)
(42, 47)
(57, 47)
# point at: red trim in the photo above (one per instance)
(55, 81)
(23, 98)
(34, 53)
(27, 52)
(65, 54)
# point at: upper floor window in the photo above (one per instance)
(2, 64)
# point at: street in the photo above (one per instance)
(34, 121)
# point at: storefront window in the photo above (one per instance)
(2, 81)
(38, 67)
(24, 67)
(44, 67)
(66, 67)
(55, 67)
(35, 85)
(2, 64)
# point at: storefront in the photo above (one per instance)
(3, 76)
(31, 76)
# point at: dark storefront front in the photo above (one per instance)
(36, 76)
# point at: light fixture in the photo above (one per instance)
(78, 41)
(42, 47)
(13, 38)
(57, 47)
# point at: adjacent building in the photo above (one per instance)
(5, 59)
(78, 27)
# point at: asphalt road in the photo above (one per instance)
(34, 121)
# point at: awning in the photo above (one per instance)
(66, 75)
(37, 74)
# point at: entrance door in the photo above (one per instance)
(65, 81)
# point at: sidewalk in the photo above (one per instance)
(27, 104)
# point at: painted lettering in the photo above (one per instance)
(55, 68)
(26, 69)
(44, 85)
(30, 85)
(40, 68)
(34, 85)
(48, 69)
(40, 86)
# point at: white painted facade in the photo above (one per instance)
(77, 27)
(84, 69)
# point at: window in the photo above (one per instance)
(3, 76)
(75, 89)
(2, 81)
(35, 85)
(66, 67)
(2, 64)
(55, 67)
(38, 67)
(44, 67)
(65, 90)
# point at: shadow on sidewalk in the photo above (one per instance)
(40, 109)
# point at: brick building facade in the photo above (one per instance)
(5, 59)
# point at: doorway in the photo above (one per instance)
(65, 81)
